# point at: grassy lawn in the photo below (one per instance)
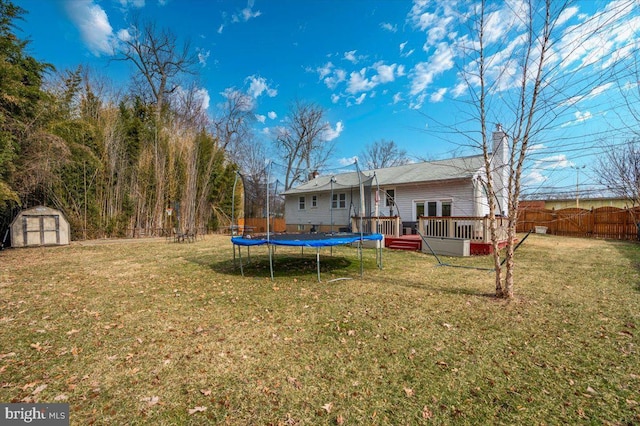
(150, 332)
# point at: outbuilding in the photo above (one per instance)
(40, 226)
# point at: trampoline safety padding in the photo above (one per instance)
(317, 240)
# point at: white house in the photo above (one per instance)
(447, 188)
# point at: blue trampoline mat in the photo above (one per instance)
(319, 239)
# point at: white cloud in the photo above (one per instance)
(535, 147)
(347, 161)
(597, 37)
(220, 28)
(339, 75)
(402, 46)
(418, 101)
(433, 18)
(566, 14)
(199, 98)
(331, 133)
(386, 73)
(244, 101)
(258, 86)
(351, 56)
(93, 23)
(261, 118)
(335, 98)
(203, 95)
(423, 73)
(325, 70)
(438, 95)
(124, 35)
(360, 99)
(579, 118)
(247, 13)
(551, 163)
(389, 27)
(203, 56)
(397, 98)
(534, 178)
(134, 3)
(359, 83)
(272, 115)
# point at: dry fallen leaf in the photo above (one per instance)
(408, 392)
(327, 407)
(340, 419)
(294, 382)
(426, 413)
(38, 389)
(205, 392)
(61, 397)
(73, 331)
(197, 410)
(151, 400)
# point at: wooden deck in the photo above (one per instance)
(414, 243)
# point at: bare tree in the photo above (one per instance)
(619, 170)
(302, 143)
(524, 86)
(383, 153)
(231, 127)
(160, 62)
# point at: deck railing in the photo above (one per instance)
(472, 228)
(386, 225)
(476, 229)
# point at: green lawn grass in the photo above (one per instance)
(151, 332)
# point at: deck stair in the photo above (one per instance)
(406, 242)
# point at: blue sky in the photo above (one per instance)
(381, 69)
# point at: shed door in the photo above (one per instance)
(41, 230)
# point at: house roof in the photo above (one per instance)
(428, 171)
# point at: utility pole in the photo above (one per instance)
(577, 168)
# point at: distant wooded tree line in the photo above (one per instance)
(148, 159)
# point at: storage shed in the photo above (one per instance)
(40, 226)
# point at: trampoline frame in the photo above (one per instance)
(310, 240)
(317, 241)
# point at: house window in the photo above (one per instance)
(339, 201)
(300, 228)
(301, 203)
(432, 208)
(446, 208)
(314, 201)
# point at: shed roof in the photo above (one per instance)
(428, 171)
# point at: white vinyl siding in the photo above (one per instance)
(460, 194)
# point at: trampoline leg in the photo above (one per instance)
(361, 264)
(318, 262)
(270, 260)
(248, 254)
(240, 257)
(234, 255)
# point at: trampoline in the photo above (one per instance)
(260, 198)
(316, 240)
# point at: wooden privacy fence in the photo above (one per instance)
(603, 222)
(259, 225)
